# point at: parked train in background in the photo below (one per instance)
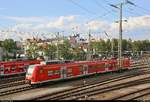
(41, 73)
(15, 67)
(20, 66)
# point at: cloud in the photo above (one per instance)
(138, 22)
(67, 23)
(98, 25)
(21, 19)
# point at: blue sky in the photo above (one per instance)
(53, 9)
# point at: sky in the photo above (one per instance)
(22, 19)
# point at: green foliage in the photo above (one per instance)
(1, 43)
(104, 47)
(9, 45)
(65, 50)
(50, 51)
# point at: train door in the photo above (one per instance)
(85, 69)
(13, 69)
(106, 67)
(1, 69)
(63, 72)
(25, 67)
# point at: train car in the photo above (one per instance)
(37, 74)
(15, 67)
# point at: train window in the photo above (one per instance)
(107, 65)
(6, 69)
(85, 67)
(69, 75)
(50, 73)
(69, 70)
(30, 70)
(56, 72)
(21, 67)
(25, 67)
(93, 67)
(13, 69)
(100, 66)
(1, 68)
(81, 68)
(114, 65)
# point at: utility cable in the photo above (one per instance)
(83, 8)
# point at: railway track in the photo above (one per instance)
(143, 96)
(98, 89)
(10, 84)
(69, 92)
(15, 90)
(134, 95)
(22, 77)
(12, 76)
(104, 91)
(20, 80)
(13, 79)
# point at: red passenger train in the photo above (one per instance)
(41, 73)
(15, 67)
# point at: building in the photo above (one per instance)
(43, 44)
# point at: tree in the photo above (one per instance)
(65, 50)
(108, 45)
(1, 43)
(50, 51)
(129, 45)
(32, 52)
(9, 45)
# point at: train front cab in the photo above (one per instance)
(36, 75)
(31, 74)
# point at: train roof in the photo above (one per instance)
(55, 62)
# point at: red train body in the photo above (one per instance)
(41, 73)
(15, 67)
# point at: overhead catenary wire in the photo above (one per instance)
(97, 17)
(87, 10)
(91, 19)
(101, 6)
(140, 7)
(136, 13)
(147, 10)
(83, 8)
